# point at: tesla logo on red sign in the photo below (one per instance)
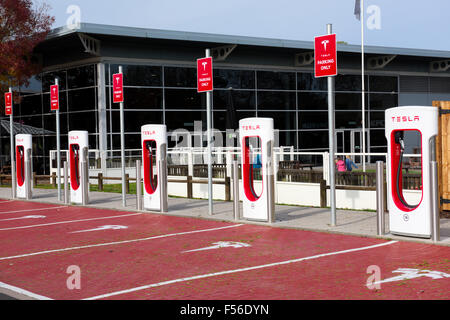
(325, 56)
(251, 127)
(405, 119)
(204, 75)
(54, 97)
(8, 103)
(117, 87)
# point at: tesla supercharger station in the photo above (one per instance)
(154, 162)
(257, 139)
(422, 122)
(78, 166)
(23, 165)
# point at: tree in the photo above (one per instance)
(22, 26)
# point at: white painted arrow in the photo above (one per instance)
(222, 244)
(107, 227)
(24, 217)
(408, 273)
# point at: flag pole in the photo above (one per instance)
(363, 90)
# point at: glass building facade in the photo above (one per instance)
(167, 94)
(297, 102)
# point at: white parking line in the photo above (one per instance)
(118, 242)
(6, 201)
(24, 217)
(69, 221)
(26, 210)
(208, 275)
(23, 292)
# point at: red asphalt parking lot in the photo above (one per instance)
(157, 257)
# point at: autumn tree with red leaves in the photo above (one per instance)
(22, 26)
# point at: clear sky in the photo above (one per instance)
(393, 23)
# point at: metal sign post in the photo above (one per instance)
(205, 84)
(208, 123)
(9, 110)
(54, 105)
(331, 138)
(118, 97)
(325, 65)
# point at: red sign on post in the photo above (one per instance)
(54, 97)
(325, 56)
(8, 103)
(117, 87)
(204, 74)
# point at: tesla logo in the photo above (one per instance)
(8, 97)
(19, 140)
(405, 119)
(148, 133)
(325, 42)
(250, 127)
(204, 64)
(73, 137)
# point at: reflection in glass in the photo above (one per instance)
(180, 77)
(242, 100)
(276, 100)
(184, 99)
(274, 80)
(236, 79)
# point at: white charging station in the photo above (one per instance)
(257, 140)
(78, 148)
(24, 146)
(405, 218)
(154, 161)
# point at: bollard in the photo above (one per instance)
(66, 183)
(236, 210)
(380, 198)
(138, 185)
(270, 184)
(13, 179)
(434, 194)
(163, 179)
(84, 176)
(83, 182)
(28, 174)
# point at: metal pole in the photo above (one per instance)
(208, 124)
(28, 174)
(435, 214)
(66, 183)
(122, 150)
(83, 182)
(380, 198)
(13, 163)
(331, 143)
(163, 182)
(85, 176)
(138, 185)
(236, 210)
(58, 148)
(270, 184)
(363, 90)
